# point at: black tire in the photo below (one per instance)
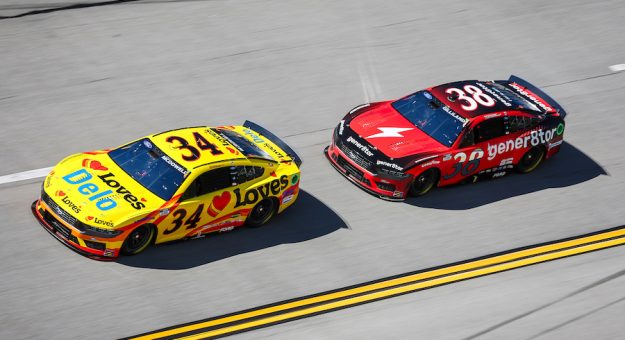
(138, 240)
(424, 182)
(531, 160)
(262, 212)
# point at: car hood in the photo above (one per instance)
(392, 134)
(93, 189)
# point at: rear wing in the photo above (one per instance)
(539, 93)
(277, 141)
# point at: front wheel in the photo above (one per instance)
(262, 212)
(531, 160)
(424, 182)
(138, 239)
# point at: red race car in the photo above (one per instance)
(447, 134)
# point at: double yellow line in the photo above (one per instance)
(367, 292)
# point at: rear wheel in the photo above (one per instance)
(138, 239)
(424, 182)
(531, 160)
(262, 212)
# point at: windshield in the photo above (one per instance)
(431, 116)
(149, 166)
(244, 145)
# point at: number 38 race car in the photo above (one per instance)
(447, 134)
(177, 184)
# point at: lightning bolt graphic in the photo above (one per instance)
(389, 132)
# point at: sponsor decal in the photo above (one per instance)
(553, 145)
(289, 194)
(341, 127)
(102, 222)
(534, 138)
(253, 195)
(530, 97)
(389, 165)
(218, 204)
(499, 174)
(94, 165)
(497, 94)
(253, 135)
(164, 212)
(398, 194)
(274, 150)
(175, 165)
(360, 146)
(295, 179)
(492, 115)
(73, 206)
(446, 157)
(109, 252)
(389, 132)
(455, 115)
(102, 200)
(432, 162)
(223, 230)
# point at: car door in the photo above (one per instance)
(495, 137)
(205, 200)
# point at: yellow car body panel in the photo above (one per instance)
(92, 204)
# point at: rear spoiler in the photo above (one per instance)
(277, 141)
(539, 93)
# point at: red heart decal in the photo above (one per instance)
(95, 165)
(60, 193)
(89, 218)
(143, 199)
(231, 150)
(221, 201)
(273, 174)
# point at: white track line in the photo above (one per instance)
(617, 68)
(24, 175)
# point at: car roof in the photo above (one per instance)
(504, 99)
(171, 142)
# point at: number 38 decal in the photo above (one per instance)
(477, 97)
(464, 167)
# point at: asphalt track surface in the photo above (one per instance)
(82, 79)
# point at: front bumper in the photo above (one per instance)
(73, 239)
(365, 180)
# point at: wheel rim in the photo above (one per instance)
(262, 211)
(423, 182)
(138, 239)
(531, 159)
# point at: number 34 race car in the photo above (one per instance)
(447, 134)
(177, 184)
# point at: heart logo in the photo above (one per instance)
(60, 193)
(273, 174)
(232, 150)
(95, 165)
(143, 199)
(221, 201)
(89, 218)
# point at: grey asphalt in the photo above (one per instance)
(84, 79)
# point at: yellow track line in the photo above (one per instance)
(406, 289)
(386, 284)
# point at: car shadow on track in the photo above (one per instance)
(569, 167)
(306, 219)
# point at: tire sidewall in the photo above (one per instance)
(126, 251)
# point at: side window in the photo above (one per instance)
(489, 129)
(521, 123)
(468, 139)
(248, 173)
(210, 181)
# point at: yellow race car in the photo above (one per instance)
(176, 184)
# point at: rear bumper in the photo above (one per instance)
(71, 239)
(362, 178)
